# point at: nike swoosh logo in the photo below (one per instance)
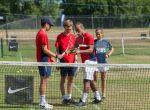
(12, 47)
(10, 91)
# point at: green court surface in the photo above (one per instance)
(127, 89)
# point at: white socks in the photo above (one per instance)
(42, 99)
(97, 95)
(67, 96)
(84, 97)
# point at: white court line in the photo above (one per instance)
(79, 90)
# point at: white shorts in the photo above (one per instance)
(89, 71)
(102, 69)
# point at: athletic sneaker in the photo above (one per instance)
(65, 101)
(104, 97)
(46, 106)
(81, 103)
(71, 101)
(96, 101)
(68, 101)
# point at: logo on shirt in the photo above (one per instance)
(100, 50)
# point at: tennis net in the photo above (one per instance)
(128, 86)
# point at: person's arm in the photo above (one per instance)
(48, 52)
(86, 51)
(110, 52)
(57, 51)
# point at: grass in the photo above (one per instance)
(133, 55)
(126, 89)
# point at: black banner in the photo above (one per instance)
(18, 89)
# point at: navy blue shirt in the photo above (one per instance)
(101, 47)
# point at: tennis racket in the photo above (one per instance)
(67, 50)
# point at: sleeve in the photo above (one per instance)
(109, 45)
(43, 39)
(90, 38)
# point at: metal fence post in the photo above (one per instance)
(2, 51)
(92, 22)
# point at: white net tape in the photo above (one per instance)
(74, 64)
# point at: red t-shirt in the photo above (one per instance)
(42, 39)
(86, 39)
(64, 43)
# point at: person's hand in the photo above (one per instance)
(77, 51)
(59, 56)
(107, 56)
(73, 50)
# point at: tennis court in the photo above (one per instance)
(128, 87)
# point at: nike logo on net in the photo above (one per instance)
(10, 91)
(12, 47)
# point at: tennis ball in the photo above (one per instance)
(32, 71)
(20, 71)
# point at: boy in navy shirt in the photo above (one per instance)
(103, 50)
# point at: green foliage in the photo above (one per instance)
(106, 7)
(29, 7)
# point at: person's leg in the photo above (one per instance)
(95, 75)
(43, 86)
(71, 74)
(93, 82)
(62, 87)
(86, 88)
(88, 77)
(94, 88)
(103, 84)
(69, 86)
(63, 72)
(45, 72)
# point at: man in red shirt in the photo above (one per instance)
(85, 42)
(65, 41)
(43, 54)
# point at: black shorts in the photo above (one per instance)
(67, 71)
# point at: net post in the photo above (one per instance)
(122, 42)
(2, 48)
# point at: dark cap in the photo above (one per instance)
(46, 20)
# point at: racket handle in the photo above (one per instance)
(63, 54)
(57, 60)
(82, 45)
(76, 58)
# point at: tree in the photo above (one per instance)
(84, 7)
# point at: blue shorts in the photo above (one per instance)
(67, 71)
(44, 70)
